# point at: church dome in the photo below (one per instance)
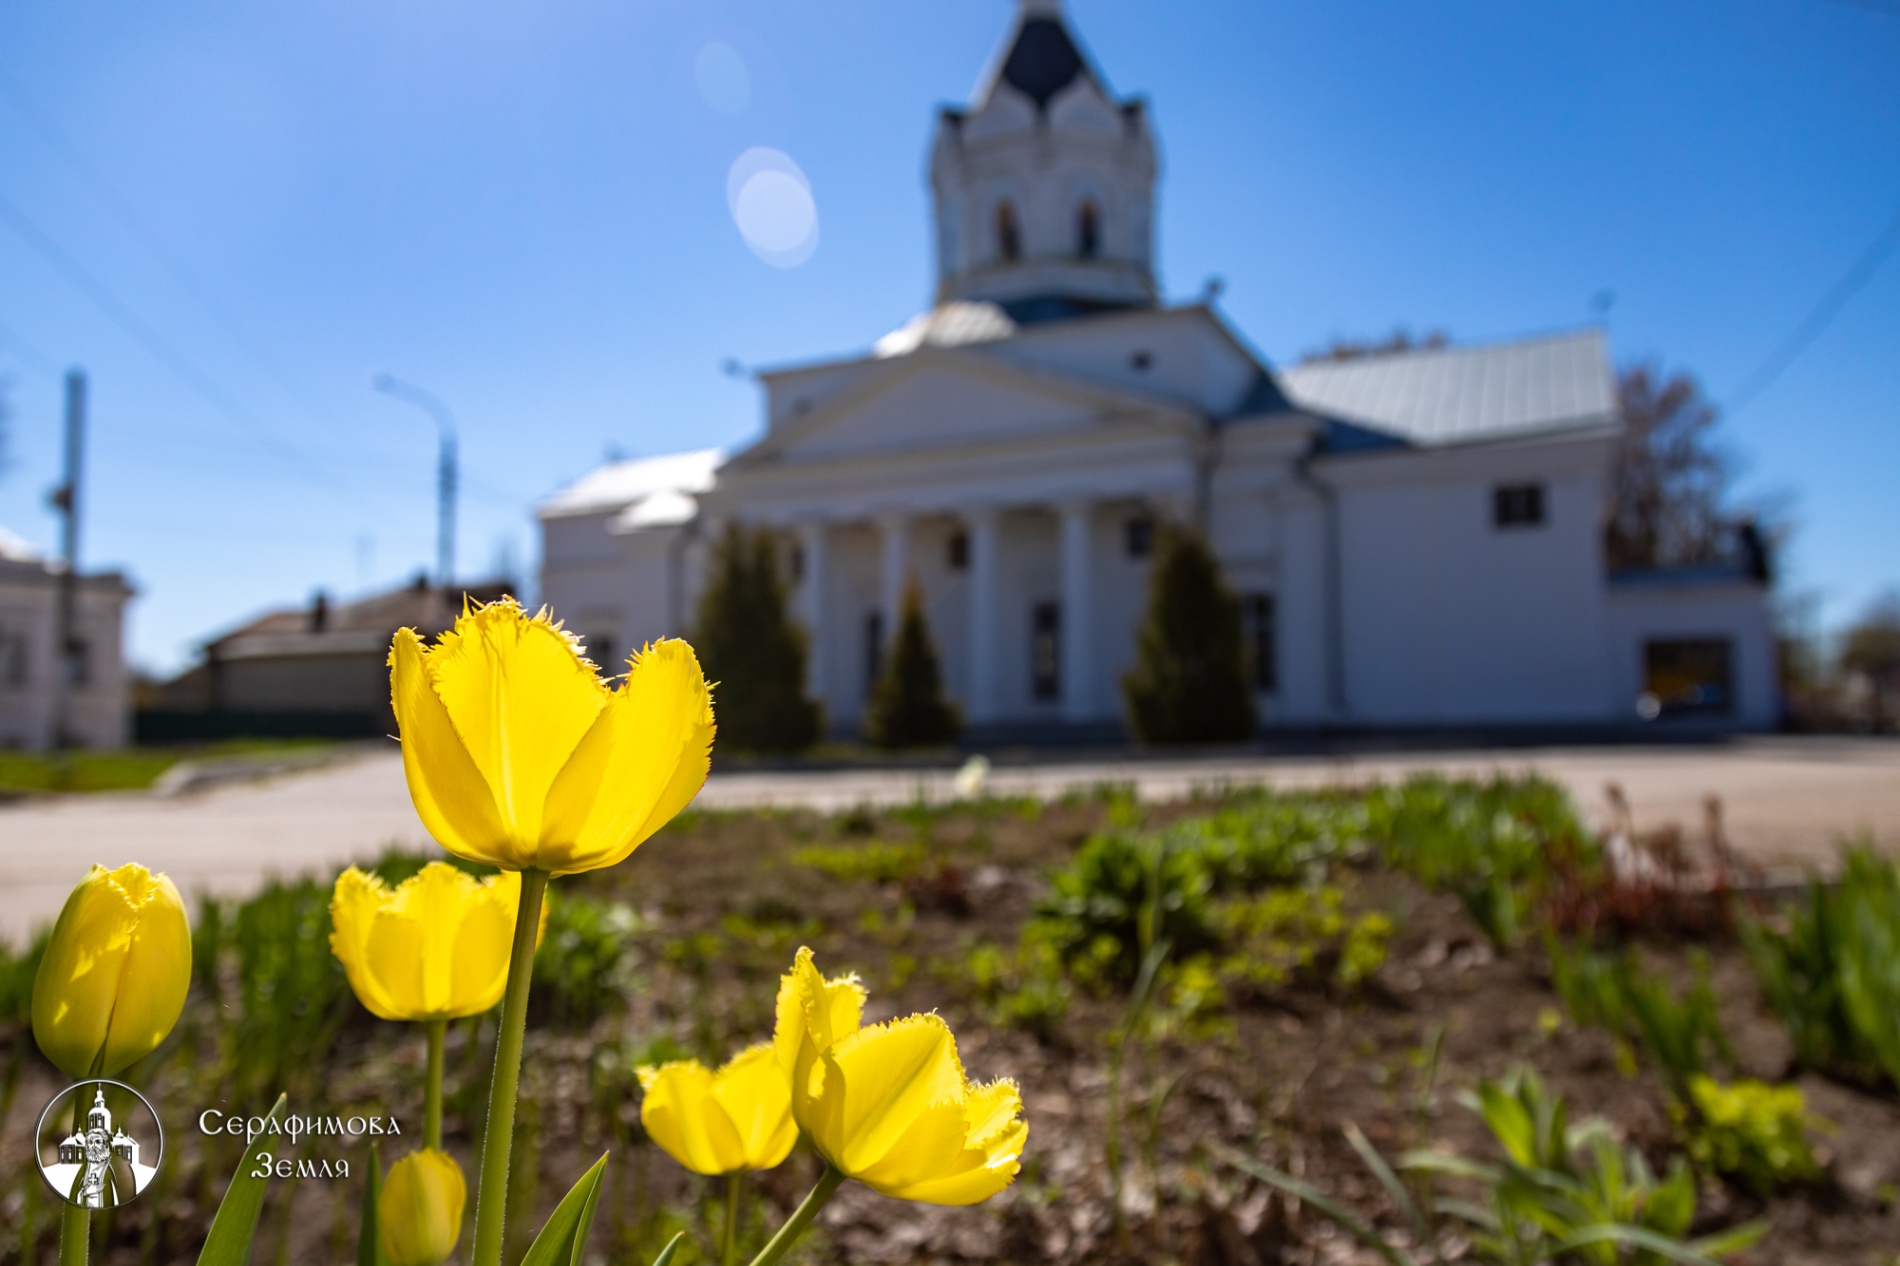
(1044, 185)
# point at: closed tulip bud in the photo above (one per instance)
(419, 1214)
(889, 1105)
(517, 754)
(723, 1122)
(115, 972)
(435, 947)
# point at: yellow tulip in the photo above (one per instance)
(115, 972)
(419, 1214)
(723, 1122)
(889, 1105)
(518, 755)
(435, 947)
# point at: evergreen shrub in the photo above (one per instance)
(749, 646)
(907, 707)
(1189, 683)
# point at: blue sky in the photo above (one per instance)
(523, 208)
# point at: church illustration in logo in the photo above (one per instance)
(100, 1166)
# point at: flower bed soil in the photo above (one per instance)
(723, 905)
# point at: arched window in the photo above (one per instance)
(1088, 230)
(1009, 238)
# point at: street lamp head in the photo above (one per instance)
(430, 403)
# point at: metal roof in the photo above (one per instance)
(624, 484)
(1043, 60)
(952, 324)
(1039, 58)
(1451, 394)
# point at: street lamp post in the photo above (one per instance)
(431, 404)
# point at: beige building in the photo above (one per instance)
(99, 701)
(320, 669)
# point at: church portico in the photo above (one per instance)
(1010, 593)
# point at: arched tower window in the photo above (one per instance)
(1009, 238)
(1088, 230)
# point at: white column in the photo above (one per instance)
(984, 636)
(811, 546)
(1078, 628)
(895, 531)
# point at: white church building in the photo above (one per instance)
(1416, 537)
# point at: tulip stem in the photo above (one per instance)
(432, 1088)
(75, 1227)
(795, 1225)
(491, 1197)
(731, 1255)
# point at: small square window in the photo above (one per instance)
(1141, 536)
(957, 553)
(1517, 505)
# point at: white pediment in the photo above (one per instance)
(951, 400)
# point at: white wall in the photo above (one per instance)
(101, 709)
(1451, 619)
(617, 590)
(1188, 356)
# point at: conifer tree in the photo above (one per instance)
(907, 707)
(750, 647)
(1189, 681)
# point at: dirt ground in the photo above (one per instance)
(722, 906)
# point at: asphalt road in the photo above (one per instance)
(1786, 801)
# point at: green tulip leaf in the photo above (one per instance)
(670, 1251)
(563, 1239)
(235, 1225)
(369, 1239)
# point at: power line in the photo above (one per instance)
(1825, 311)
(122, 315)
(29, 354)
(142, 232)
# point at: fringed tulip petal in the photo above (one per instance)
(889, 1105)
(451, 797)
(114, 976)
(680, 1114)
(395, 959)
(752, 1090)
(521, 698)
(990, 1156)
(435, 947)
(723, 1122)
(518, 755)
(920, 1147)
(667, 721)
(643, 761)
(485, 940)
(813, 1012)
(886, 1077)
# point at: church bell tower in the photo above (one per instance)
(1044, 186)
